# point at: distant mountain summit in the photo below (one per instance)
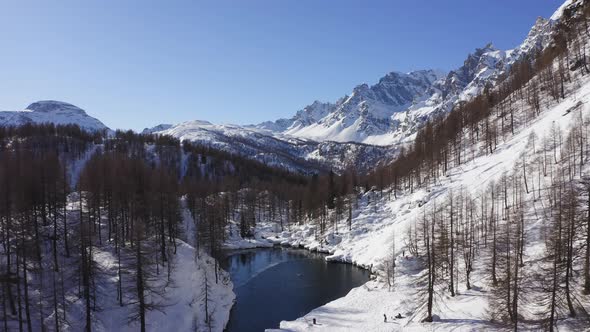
(53, 107)
(51, 111)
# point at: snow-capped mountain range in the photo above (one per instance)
(359, 130)
(392, 110)
(366, 112)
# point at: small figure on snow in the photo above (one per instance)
(314, 323)
(384, 318)
(399, 316)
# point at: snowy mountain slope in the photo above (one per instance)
(51, 111)
(288, 152)
(391, 111)
(373, 228)
(379, 219)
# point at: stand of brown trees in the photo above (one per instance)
(126, 200)
(549, 183)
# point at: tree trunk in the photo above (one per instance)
(587, 258)
(140, 284)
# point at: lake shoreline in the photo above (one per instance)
(296, 257)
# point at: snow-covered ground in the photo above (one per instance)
(181, 306)
(379, 218)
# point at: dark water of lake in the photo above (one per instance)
(274, 284)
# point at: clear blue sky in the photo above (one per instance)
(134, 64)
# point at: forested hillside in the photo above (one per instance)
(96, 229)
